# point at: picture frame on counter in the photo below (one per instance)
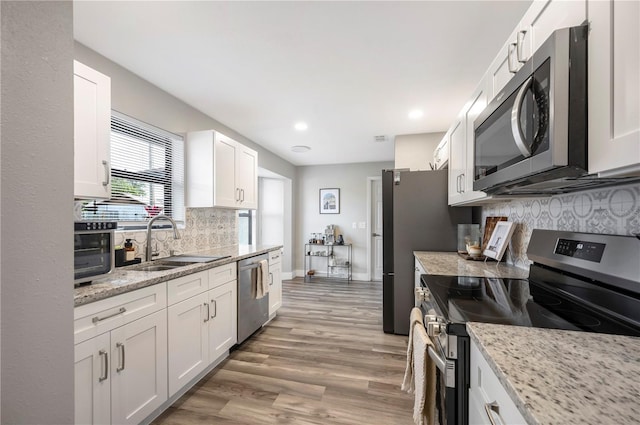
(499, 239)
(329, 201)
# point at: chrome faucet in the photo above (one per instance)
(150, 254)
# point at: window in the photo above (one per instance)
(246, 226)
(147, 175)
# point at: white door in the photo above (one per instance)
(138, 368)
(376, 229)
(92, 381)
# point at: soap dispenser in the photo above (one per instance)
(129, 250)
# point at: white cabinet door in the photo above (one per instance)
(92, 381)
(457, 160)
(138, 368)
(461, 154)
(479, 101)
(544, 17)
(220, 172)
(614, 84)
(92, 132)
(226, 190)
(223, 319)
(275, 287)
(247, 176)
(485, 389)
(441, 153)
(188, 340)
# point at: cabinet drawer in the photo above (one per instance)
(222, 274)
(275, 256)
(96, 318)
(187, 286)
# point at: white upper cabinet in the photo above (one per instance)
(441, 153)
(220, 172)
(92, 128)
(540, 21)
(461, 150)
(614, 87)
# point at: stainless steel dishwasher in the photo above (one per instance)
(252, 312)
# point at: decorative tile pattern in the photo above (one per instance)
(205, 228)
(613, 210)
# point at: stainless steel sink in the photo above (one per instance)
(155, 267)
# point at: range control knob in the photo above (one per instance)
(433, 328)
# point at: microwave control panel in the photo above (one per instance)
(81, 226)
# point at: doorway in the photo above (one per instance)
(374, 225)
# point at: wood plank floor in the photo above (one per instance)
(323, 360)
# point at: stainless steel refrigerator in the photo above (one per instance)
(415, 217)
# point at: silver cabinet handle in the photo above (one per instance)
(99, 319)
(105, 365)
(375, 234)
(120, 347)
(237, 194)
(271, 279)
(107, 173)
(215, 309)
(512, 68)
(206, 318)
(490, 408)
(516, 128)
(462, 188)
(458, 183)
(242, 195)
(519, 46)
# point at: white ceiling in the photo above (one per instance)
(351, 70)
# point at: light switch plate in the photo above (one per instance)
(362, 225)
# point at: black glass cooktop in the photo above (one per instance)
(552, 301)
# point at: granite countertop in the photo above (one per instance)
(564, 377)
(451, 264)
(124, 279)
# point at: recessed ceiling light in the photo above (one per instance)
(301, 126)
(415, 114)
(300, 148)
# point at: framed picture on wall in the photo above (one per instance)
(499, 240)
(330, 201)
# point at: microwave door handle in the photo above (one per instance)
(516, 111)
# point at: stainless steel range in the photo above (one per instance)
(578, 281)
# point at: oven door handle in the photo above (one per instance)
(440, 364)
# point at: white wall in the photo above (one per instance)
(351, 179)
(415, 151)
(36, 263)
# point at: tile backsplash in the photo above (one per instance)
(613, 210)
(205, 228)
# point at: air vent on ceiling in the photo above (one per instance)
(380, 139)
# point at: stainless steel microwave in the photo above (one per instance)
(532, 136)
(93, 250)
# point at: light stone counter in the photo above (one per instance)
(124, 279)
(564, 377)
(451, 264)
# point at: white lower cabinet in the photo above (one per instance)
(188, 341)
(92, 383)
(223, 318)
(275, 282)
(489, 402)
(121, 375)
(203, 327)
